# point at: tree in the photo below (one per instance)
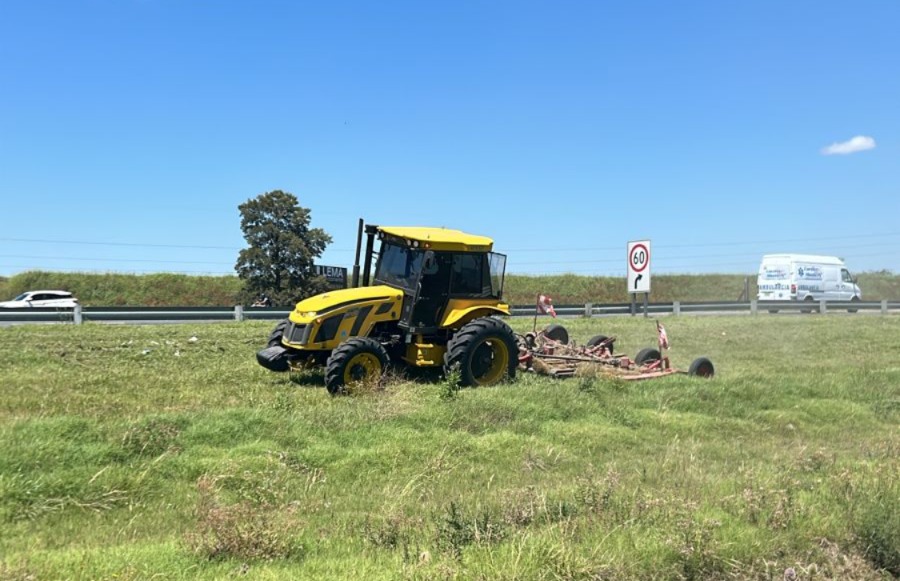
(279, 261)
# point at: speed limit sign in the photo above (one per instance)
(639, 266)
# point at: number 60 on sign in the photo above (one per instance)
(639, 266)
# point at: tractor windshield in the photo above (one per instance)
(399, 266)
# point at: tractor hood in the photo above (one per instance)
(324, 303)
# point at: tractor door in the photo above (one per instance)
(432, 292)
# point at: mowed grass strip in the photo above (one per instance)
(128, 452)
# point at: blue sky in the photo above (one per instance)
(130, 130)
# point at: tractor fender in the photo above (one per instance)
(455, 316)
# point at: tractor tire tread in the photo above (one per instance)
(459, 345)
(334, 367)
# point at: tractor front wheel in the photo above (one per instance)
(277, 333)
(484, 351)
(356, 361)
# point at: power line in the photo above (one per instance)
(130, 244)
(706, 244)
(692, 257)
(547, 249)
(130, 271)
(111, 259)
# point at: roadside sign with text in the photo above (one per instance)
(335, 275)
(639, 266)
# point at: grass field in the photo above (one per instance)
(165, 452)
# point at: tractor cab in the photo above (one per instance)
(441, 272)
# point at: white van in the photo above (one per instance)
(805, 277)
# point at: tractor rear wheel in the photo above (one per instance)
(277, 333)
(558, 333)
(356, 361)
(484, 351)
(647, 355)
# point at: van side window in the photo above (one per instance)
(845, 275)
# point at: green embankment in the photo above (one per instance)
(166, 452)
(186, 290)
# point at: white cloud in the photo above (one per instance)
(858, 143)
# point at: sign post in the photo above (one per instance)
(639, 272)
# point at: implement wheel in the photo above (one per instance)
(356, 361)
(597, 339)
(647, 355)
(484, 351)
(558, 333)
(277, 333)
(702, 367)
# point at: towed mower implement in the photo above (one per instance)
(550, 353)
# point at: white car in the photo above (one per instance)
(42, 299)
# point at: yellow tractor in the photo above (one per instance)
(433, 301)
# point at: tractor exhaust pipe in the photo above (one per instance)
(359, 234)
(371, 230)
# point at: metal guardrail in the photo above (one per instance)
(238, 313)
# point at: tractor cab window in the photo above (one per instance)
(467, 274)
(399, 266)
(497, 269)
(477, 275)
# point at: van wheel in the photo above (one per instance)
(808, 299)
(851, 309)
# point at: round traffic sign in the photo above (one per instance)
(639, 258)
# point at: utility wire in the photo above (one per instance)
(164, 261)
(131, 244)
(547, 249)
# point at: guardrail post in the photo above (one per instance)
(676, 308)
(822, 307)
(238, 313)
(883, 306)
(754, 307)
(76, 315)
(588, 310)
